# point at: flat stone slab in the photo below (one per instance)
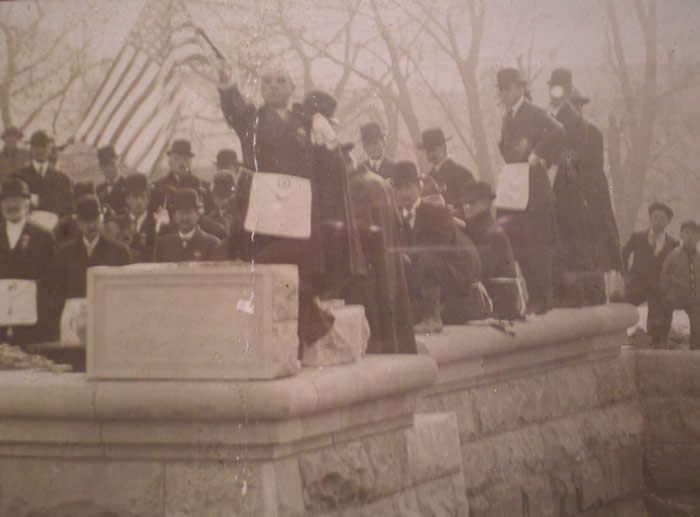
(223, 321)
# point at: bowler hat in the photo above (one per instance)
(690, 225)
(578, 98)
(405, 173)
(136, 184)
(561, 77)
(478, 191)
(432, 138)
(184, 199)
(507, 77)
(14, 187)
(181, 146)
(12, 131)
(371, 132)
(106, 154)
(87, 208)
(224, 184)
(227, 159)
(318, 101)
(40, 138)
(661, 206)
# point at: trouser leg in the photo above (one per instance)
(693, 312)
(659, 318)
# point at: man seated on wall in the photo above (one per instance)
(442, 264)
(498, 267)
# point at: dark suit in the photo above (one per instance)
(11, 161)
(31, 259)
(452, 179)
(532, 232)
(440, 256)
(144, 239)
(596, 191)
(72, 263)
(272, 143)
(383, 292)
(386, 168)
(113, 195)
(54, 189)
(171, 248)
(643, 281)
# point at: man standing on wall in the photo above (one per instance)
(530, 136)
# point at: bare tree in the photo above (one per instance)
(442, 29)
(41, 67)
(631, 137)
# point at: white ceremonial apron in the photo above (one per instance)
(279, 205)
(17, 302)
(513, 189)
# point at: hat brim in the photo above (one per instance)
(190, 153)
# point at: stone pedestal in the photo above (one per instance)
(192, 321)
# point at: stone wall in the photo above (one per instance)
(669, 387)
(549, 419)
(340, 442)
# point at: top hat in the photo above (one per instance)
(136, 183)
(318, 101)
(106, 154)
(184, 199)
(661, 206)
(227, 159)
(404, 173)
(87, 208)
(432, 138)
(478, 191)
(224, 184)
(507, 77)
(577, 98)
(12, 131)
(181, 146)
(371, 132)
(40, 138)
(561, 77)
(14, 187)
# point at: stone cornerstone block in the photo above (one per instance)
(345, 343)
(192, 321)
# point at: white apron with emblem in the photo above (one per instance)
(513, 189)
(17, 302)
(279, 205)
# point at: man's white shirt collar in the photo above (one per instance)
(91, 245)
(138, 221)
(187, 236)
(14, 230)
(41, 168)
(516, 107)
(657, 241)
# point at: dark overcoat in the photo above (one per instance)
(383, 292)
(32, 259)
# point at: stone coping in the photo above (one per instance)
(315, 390)
(478, 340)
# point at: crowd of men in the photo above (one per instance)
(417, 249)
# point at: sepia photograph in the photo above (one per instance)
(349, 258)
